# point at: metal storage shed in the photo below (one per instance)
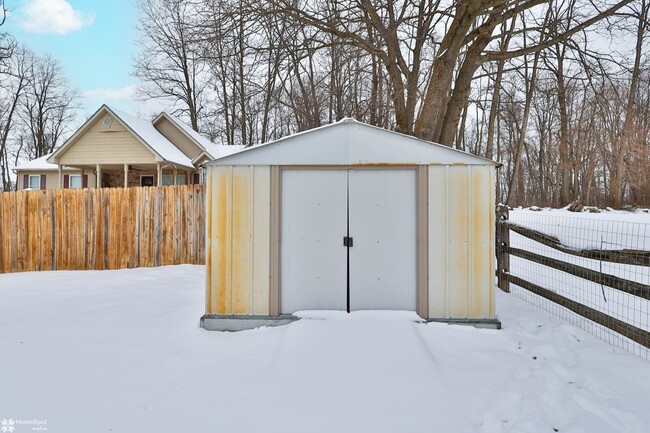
(349, 217)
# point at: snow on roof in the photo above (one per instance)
(215, 150)
(150, 135)
(40, 164)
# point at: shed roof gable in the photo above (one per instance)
(350, 142)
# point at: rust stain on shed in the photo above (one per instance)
(240, 265)
(481, 247)
(220, 247)
(381, 164)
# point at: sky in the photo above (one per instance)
(95, 41)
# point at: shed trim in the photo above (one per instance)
(274, 256)
(422, 240)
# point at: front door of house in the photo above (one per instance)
(146, 181)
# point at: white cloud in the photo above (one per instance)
(125, 99)
(53, 16)
(125, 94)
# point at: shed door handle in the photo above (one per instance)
(348, 241)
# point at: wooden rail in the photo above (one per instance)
(627, 257)
(109, 228)
(631, 287)
(638, 335)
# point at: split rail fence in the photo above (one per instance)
(108, 228)
(588, 271)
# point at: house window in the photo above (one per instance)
(75, 181)
(169, 180)
(34, 181)
(146, 180)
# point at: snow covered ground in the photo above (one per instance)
(121, 351)
(608, 229)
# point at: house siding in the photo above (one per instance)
(173, 134)
(115, 179)
(102, 145)
(52, 178)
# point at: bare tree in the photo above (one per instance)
(168, 61)
(48, 106)
(12, 86)
(640, 12)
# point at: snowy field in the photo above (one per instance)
(121, 351)
(606, 230)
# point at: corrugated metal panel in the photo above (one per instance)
(238, 240)
(461, 242)
(458, 249)
(438, 241)
(481, 243)
(261, 240)
(241, 261)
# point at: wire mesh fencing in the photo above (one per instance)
(591, 270)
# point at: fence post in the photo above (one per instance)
(503, 241)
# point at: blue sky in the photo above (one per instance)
(95, 41)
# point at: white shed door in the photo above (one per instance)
(376, 208)
(382, 226)
(313, 262)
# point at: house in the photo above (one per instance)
(115, 149)
(40, 174)
(349, 217)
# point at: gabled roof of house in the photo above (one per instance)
(350, 142)
(144, 131)
(212, 150)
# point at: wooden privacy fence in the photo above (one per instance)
(108, 228)
(636, 258)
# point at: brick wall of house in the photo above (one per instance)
(115, 179)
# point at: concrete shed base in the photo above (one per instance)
(477, 323)
(213, 322)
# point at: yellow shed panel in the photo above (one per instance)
(261, 245)
(461, 242)
(238, 240)
(458, 249)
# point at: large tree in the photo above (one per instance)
(432, 49)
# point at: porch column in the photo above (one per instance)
(175, 174)
(99, 176)
(60, 168)
(189, 179)
(159, 174)
(126, 175)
